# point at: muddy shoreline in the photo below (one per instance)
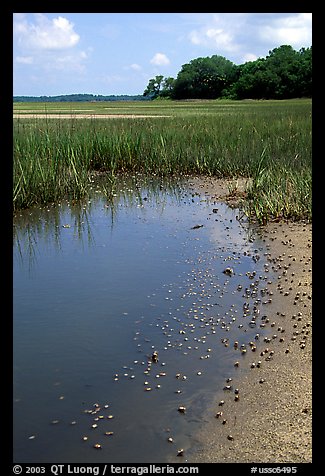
(271, 421)
(267, 415)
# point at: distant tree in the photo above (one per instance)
(282, 62)
(167, 87)
(79, 98)
(153, 88)
(205, 78)
(159, 87)
(304, 75)
(255, 81)
(284, 73)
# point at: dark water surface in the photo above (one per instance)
(100, 286)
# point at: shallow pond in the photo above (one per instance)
(101, 286)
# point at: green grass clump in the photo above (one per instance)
(267, 141)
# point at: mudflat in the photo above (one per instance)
(269, 416)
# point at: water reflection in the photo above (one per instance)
(98, 287)
(50, 222)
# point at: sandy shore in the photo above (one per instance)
(272, 419)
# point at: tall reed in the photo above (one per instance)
(269, 143)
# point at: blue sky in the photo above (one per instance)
(117, 53)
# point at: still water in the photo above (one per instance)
(99, 286)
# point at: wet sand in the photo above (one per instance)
(272, 419)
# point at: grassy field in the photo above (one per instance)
(267, 141)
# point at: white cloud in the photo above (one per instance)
(135, 67)
(247, 36)
(111, 79)
(195, 38)
(45, 34)
(249, 57)
(216, 32)
(24, 59)
(48, 45)
(160, 59)
(295, 30)
(214, 38)
(66, 62)
(221, 38)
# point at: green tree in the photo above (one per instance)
(304, 74)
(204, 78)
(284, 73)
(283, 62)
(153, 88)
(255, 81)
(167, 87)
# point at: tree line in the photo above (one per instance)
(79, 98)
(285, 73)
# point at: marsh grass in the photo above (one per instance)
(268, 142)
